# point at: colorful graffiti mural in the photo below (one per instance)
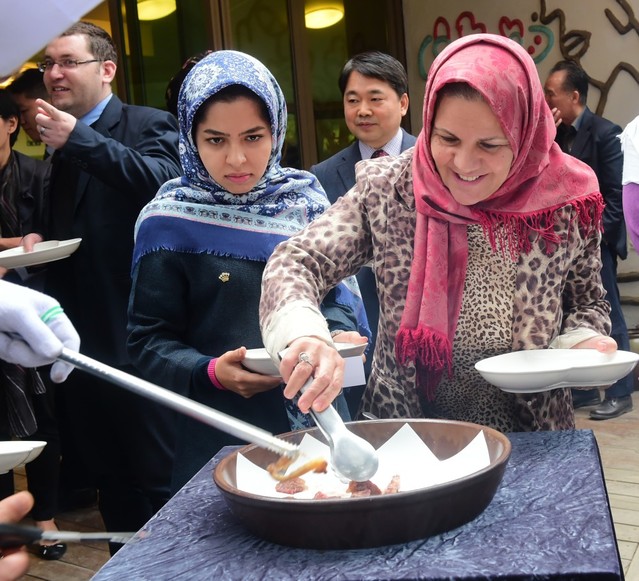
(544, 30)
(541, 36)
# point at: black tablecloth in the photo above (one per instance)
(550, 519)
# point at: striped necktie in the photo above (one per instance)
(378, 153)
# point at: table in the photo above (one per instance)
(550, 519)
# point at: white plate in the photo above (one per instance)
(259, 361)
(545, 369)
(42, 252)
(18, 452)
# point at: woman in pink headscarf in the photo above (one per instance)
(484, 239)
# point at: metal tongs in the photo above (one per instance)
(13, 536)
(193, 409)
(352, 457)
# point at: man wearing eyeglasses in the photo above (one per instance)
(109, 160)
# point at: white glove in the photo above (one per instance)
(34, 329)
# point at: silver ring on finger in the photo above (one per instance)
(304, 357)
(42, 130)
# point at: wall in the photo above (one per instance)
(602, 34)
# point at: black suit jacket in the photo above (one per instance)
(31, 182)
(118, 165)
(597, 145)
(337, 173)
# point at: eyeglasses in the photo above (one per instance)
(66, 64)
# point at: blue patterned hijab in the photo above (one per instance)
(194, 213)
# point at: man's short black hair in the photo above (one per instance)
(576, 79)
(377, 65)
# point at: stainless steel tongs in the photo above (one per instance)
(352, 457)
(198, 411)
(13, 536)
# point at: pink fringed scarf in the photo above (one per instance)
(541, 181)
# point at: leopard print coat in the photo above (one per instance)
(506, 305)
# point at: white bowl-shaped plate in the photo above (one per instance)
(36, 447)
(42, 253)
(259, 361)
(15, 453)
(544, 369)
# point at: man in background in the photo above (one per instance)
(374, 88)
(109, 160)
(593, 140)
(25, 90)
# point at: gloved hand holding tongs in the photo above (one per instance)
(34, 330)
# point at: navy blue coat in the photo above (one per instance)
(337, 173)
(597, 145)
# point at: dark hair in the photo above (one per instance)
(228, 95)
(9, 108)
(576, 79)
(457, 89)
(100, 43)
(30, 84)
(377, 65)
(173, 88)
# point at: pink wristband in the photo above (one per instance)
(211, 373)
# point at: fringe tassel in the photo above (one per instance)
(511, 232)
(430, 351)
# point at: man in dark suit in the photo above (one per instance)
(374, 88)
(593, 140)
(109, 161)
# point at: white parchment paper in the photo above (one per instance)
(404, 453)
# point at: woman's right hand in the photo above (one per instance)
(311, 358)
(234, 377)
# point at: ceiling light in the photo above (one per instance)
(323, 14)
(155, 9)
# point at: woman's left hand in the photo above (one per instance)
(600, 343)
(309, 357)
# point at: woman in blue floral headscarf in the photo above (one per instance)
(201, 247)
